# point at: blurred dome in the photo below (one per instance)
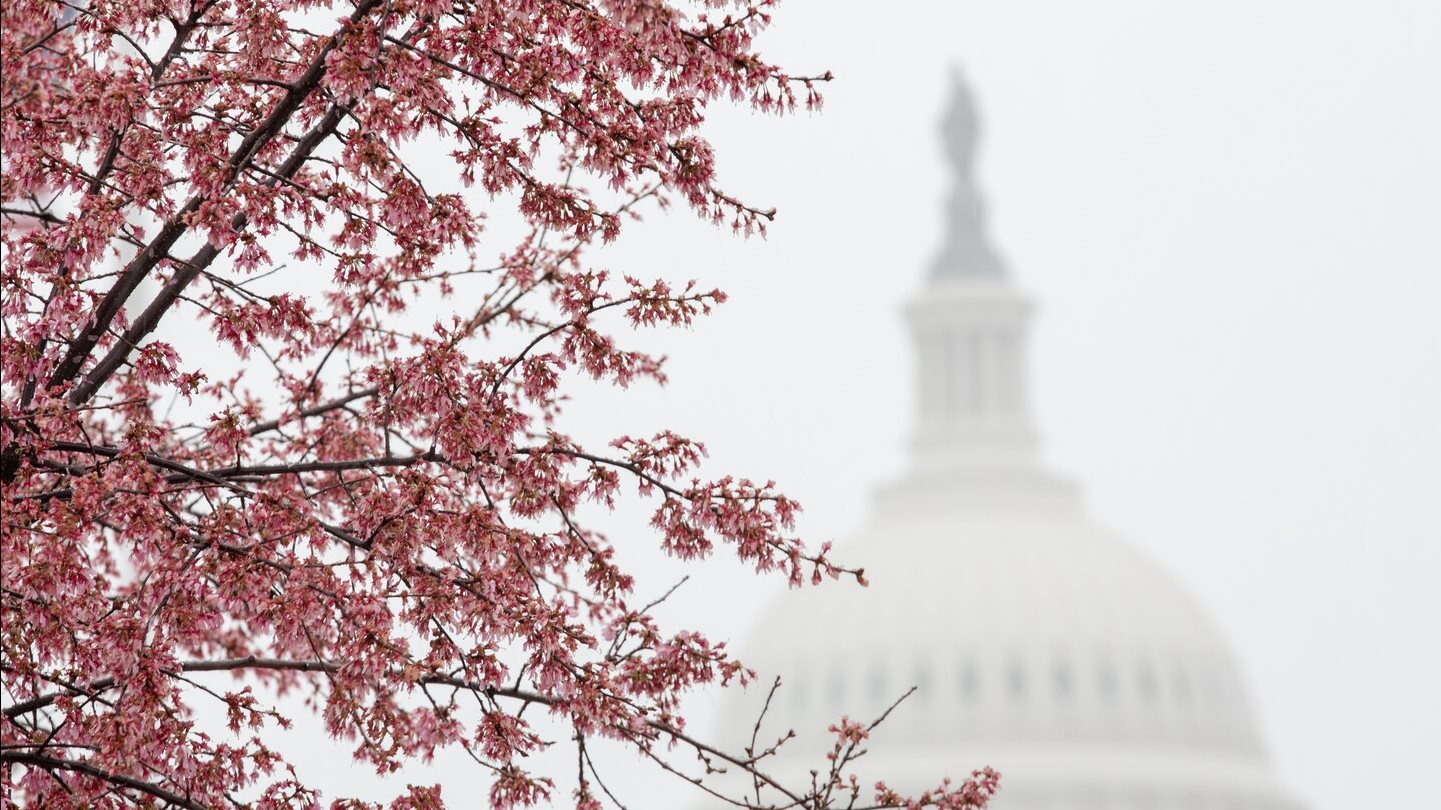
(1011, 628)
(1037, 643)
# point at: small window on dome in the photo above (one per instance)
(836, 688)
(1016, 681)
(878, 683)
(949, 374)
(1146, 683)
(1212, 686)
(921, 680)
(1062, 680)
(796, 685)
(1106, 682)
(968, 681)
(1181, 688)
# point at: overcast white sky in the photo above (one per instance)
(1230, 213)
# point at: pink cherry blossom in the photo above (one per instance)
(362, 503)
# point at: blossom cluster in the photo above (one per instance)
(356, 503)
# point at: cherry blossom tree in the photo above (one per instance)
(363, 493)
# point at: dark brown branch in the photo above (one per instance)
(193, 267)
(315, 410)
(121, 780)
(338, 465)
(254, 662)
(44, 216)
(140, 266)
(278, 664)
(200, 475)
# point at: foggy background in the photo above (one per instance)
(1230, 215)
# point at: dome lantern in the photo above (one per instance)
(966, 247)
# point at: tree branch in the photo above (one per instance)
(140, 266)
(280, 664)
(57, 764)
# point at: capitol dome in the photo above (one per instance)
(1037, 643)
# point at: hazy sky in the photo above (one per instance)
(1230, 214)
